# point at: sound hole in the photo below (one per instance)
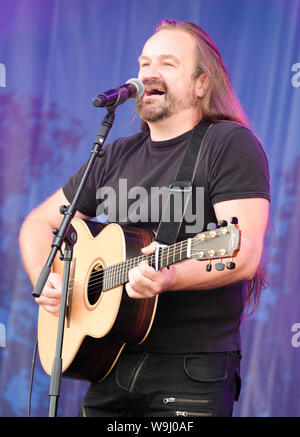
(95, 284)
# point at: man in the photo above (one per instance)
(189, 363)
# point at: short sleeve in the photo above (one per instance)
(87, 203)
(238, 167)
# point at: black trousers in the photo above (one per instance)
(167, 385)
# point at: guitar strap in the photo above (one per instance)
(169, 228)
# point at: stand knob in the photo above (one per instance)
(63, 209)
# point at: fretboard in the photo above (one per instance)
(117, 274)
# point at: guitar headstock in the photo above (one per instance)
(222, 241)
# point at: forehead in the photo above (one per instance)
(171, 42)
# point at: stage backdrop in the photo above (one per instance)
(55, 56)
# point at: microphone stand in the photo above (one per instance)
(67, 234)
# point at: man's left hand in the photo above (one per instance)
(145, 281)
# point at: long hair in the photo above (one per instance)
(220, 103)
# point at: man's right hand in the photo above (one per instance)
(36, 237)
(51, 294)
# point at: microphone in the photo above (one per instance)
(133, 88)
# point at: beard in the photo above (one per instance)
(169, 103)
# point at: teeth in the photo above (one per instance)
(155, 91)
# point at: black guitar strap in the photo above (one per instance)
(169, 228)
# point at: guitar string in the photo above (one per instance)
(91, 293)
(170, 253)
(120, 268)
(99, 275)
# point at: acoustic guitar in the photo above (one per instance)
(100, 317)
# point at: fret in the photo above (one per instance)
(119, 277)
(117, 274)
(105, 275)
(104, 281)
(124, 276)
(151, 259)
(164, 261)
(109, 278)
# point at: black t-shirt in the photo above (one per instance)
(124, 186)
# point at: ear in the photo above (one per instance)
(202, 83)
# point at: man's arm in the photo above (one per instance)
(191, 274)
(35, 243)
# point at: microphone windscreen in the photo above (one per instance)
(139, 87)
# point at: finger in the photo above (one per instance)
(132, 292)
(148, 271)
(50, 291)
(150, 248)
(135, 294)
(55, 280)
(52, 310)
(44, 300)
(49, 294)
(138, 281)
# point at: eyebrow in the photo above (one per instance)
(167, 56)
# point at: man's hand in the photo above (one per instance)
(51, 294)
(145, 281)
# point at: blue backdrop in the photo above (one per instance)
(55, 55)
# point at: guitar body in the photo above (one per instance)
(98, 323)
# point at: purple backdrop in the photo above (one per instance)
(54, 57)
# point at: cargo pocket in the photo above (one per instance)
(206, 367)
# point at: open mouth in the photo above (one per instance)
(154, 92)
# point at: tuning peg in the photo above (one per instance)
(230, 265)
(222, 223)
(211, 226)
(208, 266)
(234, 220)
(220, 266)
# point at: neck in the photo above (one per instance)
(174, 126)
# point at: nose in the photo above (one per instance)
(150, 71)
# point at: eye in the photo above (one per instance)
(169, 64)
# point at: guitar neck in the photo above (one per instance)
(117, 274)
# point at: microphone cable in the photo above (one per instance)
(31, 377)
